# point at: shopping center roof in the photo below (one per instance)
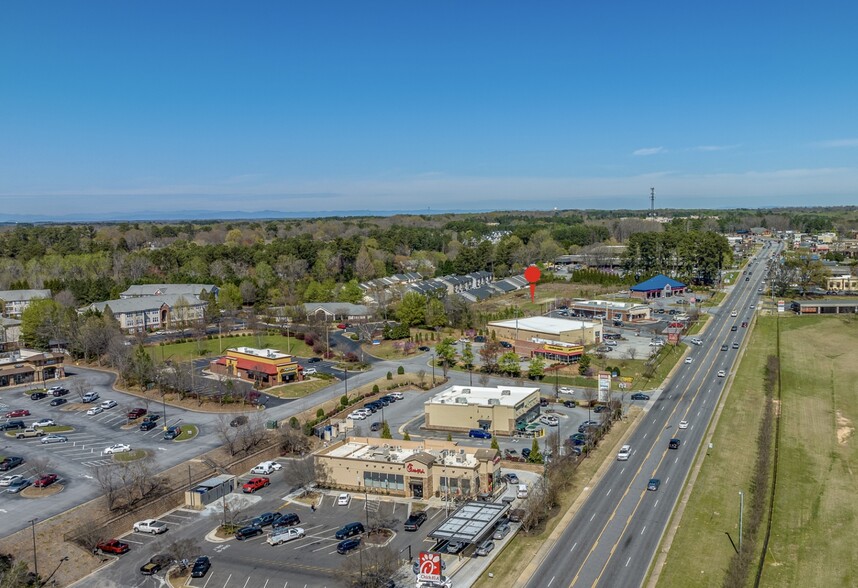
(543, 324)
(475, 395)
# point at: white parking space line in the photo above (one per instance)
(246, 582)
(227, 581)
(266, 583)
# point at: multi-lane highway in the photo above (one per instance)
(613, 538)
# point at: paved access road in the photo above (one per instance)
(613, 538)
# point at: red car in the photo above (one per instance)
(45, 481)
(136, 413)
(255, 484)
(19, 412)
(113, 546)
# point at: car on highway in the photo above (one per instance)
(673, 444)
(735, 344)
(724, 347)
(105, 404)
(485, 548)
(696, 341)
(248, 532)
(343, 547)
(10, 479)
(479, 434)
(624, 453)
(344, 499)
(734, 313)
(752, 307)
(734, 328)
(413, 522)
(58, 401)
(285, 534)
(43, 423)
(94, 411)
(45, 481)
(550, 420)
(310, 371)
(114, 546)
(48, 439)
(639, 396)
(688, 360)
(116, 448)
(156, 564)
(10, 462)
(254, 484)
(153, 526)
(18, 412)
(744, 324)
(201, 566)
(18, 485)
(653, 484)
(721, 373)
(683, 424)
(266, 467)
(566, 390)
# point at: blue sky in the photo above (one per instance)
(335, 106)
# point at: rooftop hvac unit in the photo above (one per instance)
(466, 390)
(494, 401)
(506, 392)
(462, 451)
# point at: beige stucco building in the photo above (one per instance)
(497, 410)
(414, 469)
(845, 283)
(543, 329)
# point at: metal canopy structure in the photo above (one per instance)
(470, 523)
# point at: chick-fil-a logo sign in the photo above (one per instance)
(413, 470)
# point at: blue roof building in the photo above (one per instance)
(659, 286)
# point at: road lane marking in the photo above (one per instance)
(550, 581)
(574, 546)
(627, 561)
(656, 504)
(642, 530)
(608, 493)
(592, 517)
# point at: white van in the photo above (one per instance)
(522, 491)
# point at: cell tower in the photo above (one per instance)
(652, 202)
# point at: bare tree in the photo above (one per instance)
(380, 566)
(79, 387)
(293, 441)
(253, 433)
(182, 549)
(631, 353)
(300, 472)
(228, 434)
(40, 465)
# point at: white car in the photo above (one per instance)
(721, 373)
(397, 395)
(683, 424)
(734, 313)
(282, 535)
(344, 499)
(8, 480)
(94, 410)
(150, 526)
(266, 467)
(566, 390)
(116, 448)
(310, 371)
(547, 419)
(753, 307)
(357, 416)
(688, 360)
(108, 404)
(624, 453)
(43, 423)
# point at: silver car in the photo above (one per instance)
(54, 439)
(501, 531)
(485, 548)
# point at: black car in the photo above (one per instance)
(156, 564)
(10, 462)
(148, 425)
(376, 426)
(151, 417)
(525, 453)
(349, 531)
(506, 345)
(384, 401)
(268, 518)
(287, 519)
(734, 328)
(11, 425)
(238, 421)
(415, 520)
(247, 532)
(348, 545)
(314, 360)
(172, 432)
(59, 392)
(543, 402)
(58, 401)
(38, 395)
(201, 567)
(423, 348)
(639, 396)
(373, 406)
(479, 339)
(569, 403)
(600, 408)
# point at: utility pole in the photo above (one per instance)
(741, 512)
(35, 561)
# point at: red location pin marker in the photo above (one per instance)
(531, 274)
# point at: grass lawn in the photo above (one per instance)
(57, 429)
(814, 529)
(132, 455)
(212, 348)
(712, 511)
(299, 389)
(387, 349)
(188, 432)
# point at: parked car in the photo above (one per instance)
(285, 534)
(266, 467)
(18, 412)
(639, 396)
(29, 432)
(172, 432)
(287, 519)
(136, 413)
(10, 479)
(48, 439)
(376, 426)
(94, 411)
(343, 547)
(265, 519)
(653, 484)
(310, 371)
(511, 478)
(254, 484)
(501, 531)
(10, 462)
(550, 420)
(156, 564)
(525, 453)
(479, 434)
(238, 421)
(58, 401)
(506, 345)
(344, 499)
(116, 448)
(148, 425)
(349, 530)
(108, 404)
(38, 395)
(600, 408)
(485, 548)
(18, 485)
(89, 397)
(543, 402)
(201, 566)
(45, 481)
(413, 522)
(397, 395)
(114, 546)
(569, 403)
(153, 526)
(43, 423)
(248, 533)
(356, 416)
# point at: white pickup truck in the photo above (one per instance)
(150, 526)
(282, 535)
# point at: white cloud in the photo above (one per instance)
(649, 151)
(713, 147)
(836, 143)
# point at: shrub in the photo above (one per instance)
(400, 370)
(375, 388)
(294, 423)
(389, 375)
(320, 413)
(344, 400)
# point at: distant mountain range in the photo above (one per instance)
(200, 215)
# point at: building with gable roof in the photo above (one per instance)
(659, 286)
(13, 302)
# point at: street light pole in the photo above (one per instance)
(35, 560)
(433, 370)
(741, 512)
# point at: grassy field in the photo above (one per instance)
(813, 541)
(711, 517)
(300, 389)
(213, 348)
(188, 432)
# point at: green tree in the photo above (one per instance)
(536, 370)
(229, 297)
(344, 400)
(509, 364)
(468, 356)
(535, 453)
(495, 444)
(141, 369)
(400, 370)
(412, 309)
(584, 364)
(446, 352)
(406, 436)
(351, 292)
(43, 320)
(449, 436)
(436, 315)
(385, 431)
